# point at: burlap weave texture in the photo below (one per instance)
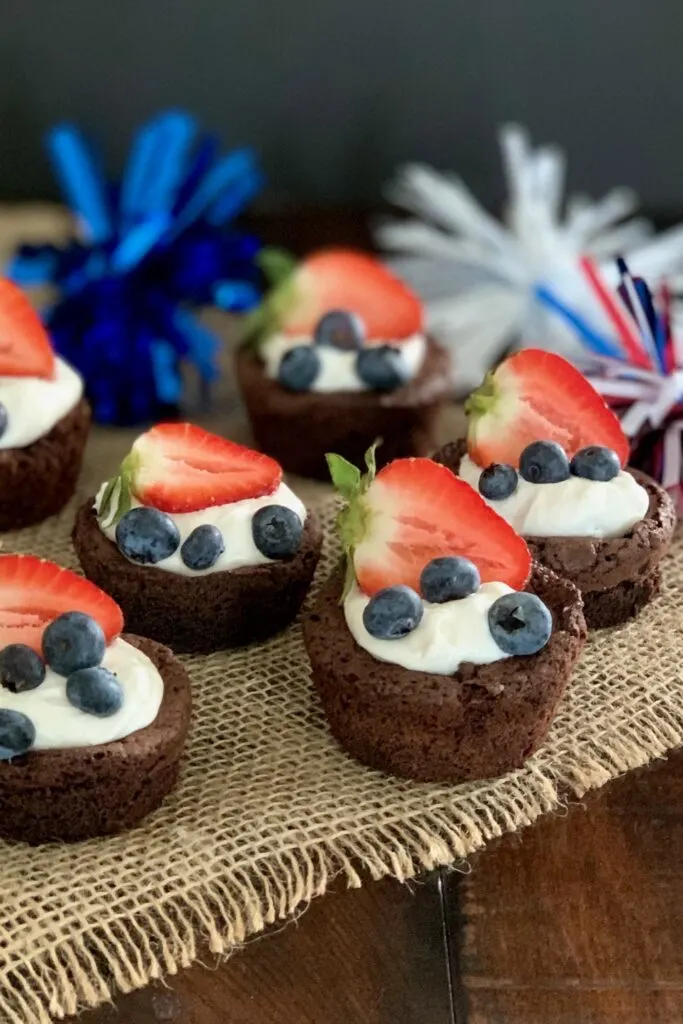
(269, 810)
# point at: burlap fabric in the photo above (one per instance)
(269, 810)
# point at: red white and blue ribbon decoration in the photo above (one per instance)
(638, 368)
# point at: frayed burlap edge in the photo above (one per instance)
(624, 709)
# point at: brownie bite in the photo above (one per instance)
(299, 428)
(92, 721)
(480, 722)
(199, 540)
(81, 792)
(199, 613)
(338, 357)
(617, 576)
(44, 419)
(38, 481)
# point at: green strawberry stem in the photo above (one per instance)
(484, 398)
(278, 267)
(117, 498)
(352, 519)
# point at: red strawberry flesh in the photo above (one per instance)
(350, 280)
(25, 349)
(34, 592)
(538, 396)
(417, 510)
(179, 467)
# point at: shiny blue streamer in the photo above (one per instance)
(76, 167)
(160, 248)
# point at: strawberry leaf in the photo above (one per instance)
(279, 267)
(117, 498)
(277, 264)
(345, 476)
(352, 517)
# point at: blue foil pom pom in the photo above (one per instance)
(153, 249)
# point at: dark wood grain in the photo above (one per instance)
(369, 956)
(577, 920)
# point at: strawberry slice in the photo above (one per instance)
(538, 396)
(33, 592)
(415, 510)
(341, 279)
(25, 349)
(179, 467)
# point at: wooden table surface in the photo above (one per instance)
(577, 920)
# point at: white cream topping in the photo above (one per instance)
(570, 508)
(59, 724)
(337, 366)
(34, 406)
(234, 522)
(448, 635)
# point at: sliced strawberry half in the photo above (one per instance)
(25, 349)
(341, 279)
(179, 467)
(415, 510)
(33, 592)
(538, 396)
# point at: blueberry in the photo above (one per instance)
(276, 531)
(73, 641)
(203, 547)
(4, 419)
(392, 613)
(20, 668)
(520, 623)
(147, 536)
(96, 691)
(448, 579)
(498, 481)
(17, 734)
(299, 367)
(596, 463)
(340, 329)
(544, 462)
(381, 367)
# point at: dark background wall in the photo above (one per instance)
(335, 94)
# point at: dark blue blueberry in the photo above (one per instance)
(392, 613)
(96, 691)
(73, 641)
(520, 623)
(596, 463)
(340, 329)
(544, 462)
(4, 419)
(299, 367)
(17, 734)
(498, 481)
(276, 531)
(20, 668)
(381, 367)
(203, 547)
(449, 579)
(147, 536)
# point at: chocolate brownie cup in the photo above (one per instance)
(617, 576)
(38, 481)
(199, 613)
(82, 792)
(299, 428)
(478, 723)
